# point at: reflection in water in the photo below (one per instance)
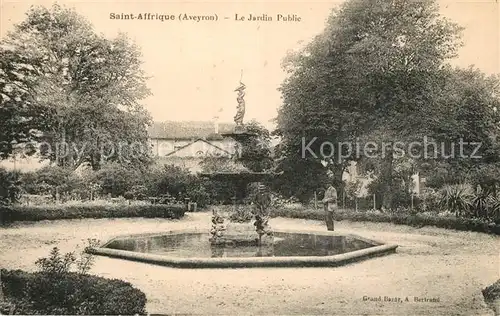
(190, 245)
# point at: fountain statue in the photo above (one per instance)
(235, 232)
(240, 113)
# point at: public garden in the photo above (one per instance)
(353, 85)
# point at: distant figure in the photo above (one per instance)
(329, 204)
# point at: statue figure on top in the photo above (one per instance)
(240, 113)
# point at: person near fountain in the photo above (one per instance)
(330, 204)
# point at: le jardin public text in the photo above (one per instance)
(250, 17)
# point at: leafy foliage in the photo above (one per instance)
(353, 189)
(50, 180)
(10, 187)
(22, 116)
(116, 179)
(86, 88)
(199, 194)
(256, 153)
(457, 198)
(429, 201)
(136, 192)
(56, 263)
(219, 191)
(172, 180)
(86, 210)
(243, 214)
(378, 73)
(55, 289)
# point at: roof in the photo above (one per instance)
(188, 130)
(199, 140)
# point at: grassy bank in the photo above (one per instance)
(79, 211)
(416, 220)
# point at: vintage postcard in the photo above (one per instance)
(335, 157)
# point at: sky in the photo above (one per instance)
(195, 66)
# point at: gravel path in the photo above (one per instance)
(430, 262)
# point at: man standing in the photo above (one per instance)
(330, 204)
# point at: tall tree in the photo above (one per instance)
(22, 116)
(372, 73)
(468, 136)
(89, 86)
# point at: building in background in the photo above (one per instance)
(186, 144)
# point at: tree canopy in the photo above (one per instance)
(379, 73)
(80, 89)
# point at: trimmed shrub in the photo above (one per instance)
(199, 195)
(52, 179)
(172, 180)
(116, 179)
(70, 293)
(55, 212)
(402, 218)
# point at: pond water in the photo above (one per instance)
(197, 245)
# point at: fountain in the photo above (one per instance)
(231, 243)
(222, 234)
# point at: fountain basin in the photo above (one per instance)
(192, 249)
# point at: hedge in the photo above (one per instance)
(70, 294)
(416, 220)
(54, 212)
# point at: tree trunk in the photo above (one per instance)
(338, 171)
(95, 162)
(386, 176)
(315, 200)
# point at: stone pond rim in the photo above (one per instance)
(378, 249)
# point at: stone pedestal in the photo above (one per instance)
(240, 233)
(265, 250)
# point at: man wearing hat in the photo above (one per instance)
(329, 204)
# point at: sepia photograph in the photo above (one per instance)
(335, 157)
